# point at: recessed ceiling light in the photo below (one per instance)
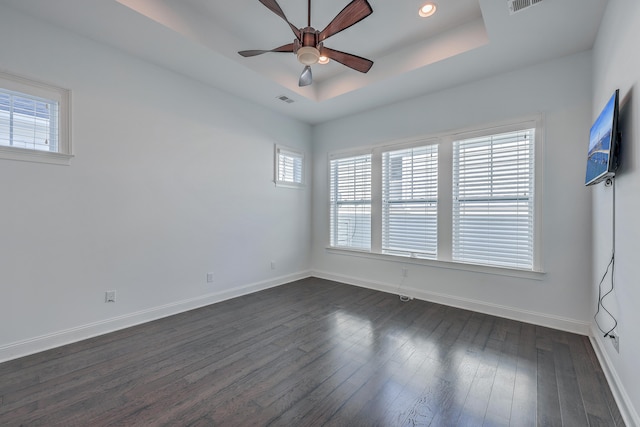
(427, 10)
(323, 60)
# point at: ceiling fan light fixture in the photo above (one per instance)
(308, 55)
(427, 9)
(323, 60)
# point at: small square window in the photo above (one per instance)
(289, 167)
(34, 121)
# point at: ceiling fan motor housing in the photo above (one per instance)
(308, 53)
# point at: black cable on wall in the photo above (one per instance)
(610, 182)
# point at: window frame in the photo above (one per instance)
(445, 197)
(32, 88)
(489, 196)
(333, 232)
(384, 203)
(278, 149)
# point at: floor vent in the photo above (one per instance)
(518, 5)
(286, 99)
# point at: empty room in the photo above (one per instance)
(305, 213)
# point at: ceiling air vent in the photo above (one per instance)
(286, 99)
(518, 5)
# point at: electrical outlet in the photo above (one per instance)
(110, 296)
(209, 277)
(615, 340)
(405, 272)
(273, 265)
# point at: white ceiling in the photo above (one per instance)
(466, 40)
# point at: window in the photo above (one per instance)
(289, 167)
(410, 201)
(467, 200)
(350, 186)
(493, 199)
(28, 121)
(34, 121)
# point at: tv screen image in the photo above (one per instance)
(603, 144)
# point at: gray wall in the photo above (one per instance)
(617, 66)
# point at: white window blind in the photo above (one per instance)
(410, 201)
(28, 122)
(289, 166)
(350, 200)
(493, 200)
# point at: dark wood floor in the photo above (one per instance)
(312, 353)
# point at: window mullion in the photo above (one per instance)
(376, 201)
(445, 199)
(11, 120)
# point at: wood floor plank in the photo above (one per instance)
(523, 409)
(502, 391)
(548, 413)
(475, 406)
(571, 402)
(314, 352)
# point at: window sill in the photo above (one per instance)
(498, 271)
(25, 155)
(284, 184)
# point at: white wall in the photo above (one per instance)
(171, 179)
(617, 66)
(561, 91)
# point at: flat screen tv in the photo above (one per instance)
(602, 160)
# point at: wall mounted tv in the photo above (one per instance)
(604, 141)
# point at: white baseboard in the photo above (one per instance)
(68, 336)
(629, 414)
(541, 319)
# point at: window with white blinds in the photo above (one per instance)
(410, 201)
(350, 202)
(289, 167)
(467, 199)
(34, 121)
(28, 122)
(493, 200)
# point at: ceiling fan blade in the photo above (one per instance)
(353, 13)
(352, 61)
(305, 78)
(273, 6)
(249, 53)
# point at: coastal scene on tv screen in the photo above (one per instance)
(599, 142)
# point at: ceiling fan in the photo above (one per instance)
(309, 42)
